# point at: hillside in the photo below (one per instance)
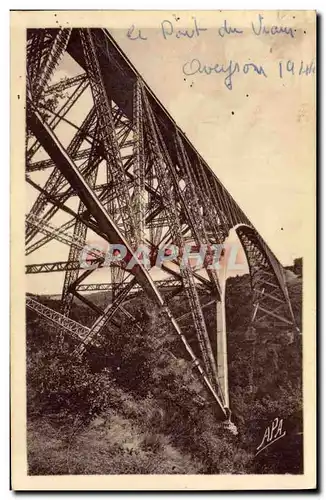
(140, 409)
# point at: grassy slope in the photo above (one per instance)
(146, 413)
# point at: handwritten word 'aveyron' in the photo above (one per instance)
(169, 30)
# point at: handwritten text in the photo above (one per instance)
(229, 69)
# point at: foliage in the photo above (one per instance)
(63, 387)
(136, 406)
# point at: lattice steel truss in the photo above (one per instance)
(133, 178)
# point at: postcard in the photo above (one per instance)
(163, 171)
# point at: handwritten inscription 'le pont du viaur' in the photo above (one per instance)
(257, 28)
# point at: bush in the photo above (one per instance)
(63, 386)
(155, 415)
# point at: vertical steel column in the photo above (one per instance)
(139, 164)
(166, 190)
(107, 133)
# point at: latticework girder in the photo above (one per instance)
(58, 116)
(159, 157)
(56, 180)
(137, 180)
(272, 306)
(45, 59)
(75, 329)
(107, 132)
(65, 84)
(79, 234)
(61, 266)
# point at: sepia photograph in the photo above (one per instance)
(163, 180)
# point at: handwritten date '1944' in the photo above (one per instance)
(258, 27)
(231, 68)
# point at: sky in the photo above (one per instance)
(259, 137)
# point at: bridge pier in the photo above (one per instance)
(156, 184)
